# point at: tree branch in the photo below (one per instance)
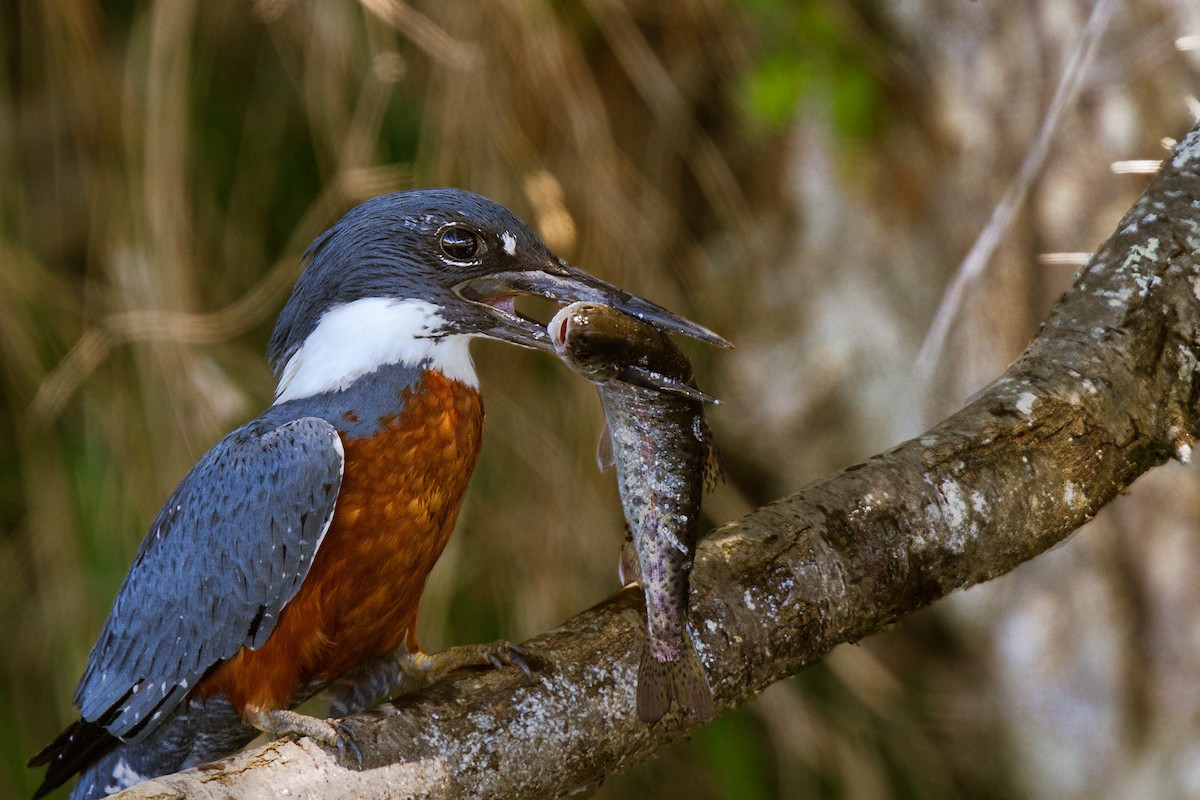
(1108, 390)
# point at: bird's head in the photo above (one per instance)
(412, 276)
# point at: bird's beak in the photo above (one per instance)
(562, 283)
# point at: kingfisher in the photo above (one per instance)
(293, 556)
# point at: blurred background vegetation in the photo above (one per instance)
(803, 177)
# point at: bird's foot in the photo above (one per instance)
(426, 668)
(285, 722)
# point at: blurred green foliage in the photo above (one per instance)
(811, 61)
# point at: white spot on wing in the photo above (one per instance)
(510, 243)
(123, 777)
(359, 337)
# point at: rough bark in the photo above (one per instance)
(1106, 391)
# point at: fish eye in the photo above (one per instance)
(459, 243)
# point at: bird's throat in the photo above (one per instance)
(358, 338)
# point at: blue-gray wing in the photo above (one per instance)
(223, 557)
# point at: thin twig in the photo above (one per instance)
(976, 261)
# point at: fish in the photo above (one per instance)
(665, 459)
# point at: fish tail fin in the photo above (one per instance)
(682, 680)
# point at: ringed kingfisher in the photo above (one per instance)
(292, 557)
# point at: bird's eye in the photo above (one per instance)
(460, 244)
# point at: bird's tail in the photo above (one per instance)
(681, 680)
(83, 743)
(194, 733)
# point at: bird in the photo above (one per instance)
(292, 557)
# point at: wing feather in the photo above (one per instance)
(224, 556)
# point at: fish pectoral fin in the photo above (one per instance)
(629, 568)
(649, 379)
(714, 467)
(605, 458)
(682, 680)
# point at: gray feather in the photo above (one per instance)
(225, 555)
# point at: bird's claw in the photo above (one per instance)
(346, 740)
(425, 668)
(332, 733)
(506, 654)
